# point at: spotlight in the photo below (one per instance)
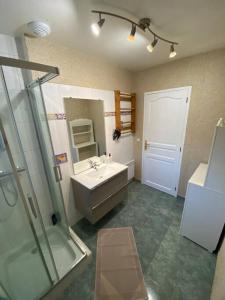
(96, 27)
(173, 53)
(151, 46)
(131, 37)
(143, 24)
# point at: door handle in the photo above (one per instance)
(58, 173)
(146, 144)
(30, 200)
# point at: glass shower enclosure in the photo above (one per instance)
(37, 246)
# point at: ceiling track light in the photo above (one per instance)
(151, 46)
(96, 27)
(173, 53)
(131, 36)
(143, 24)
(101, 21)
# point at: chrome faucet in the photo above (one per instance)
(93, 164)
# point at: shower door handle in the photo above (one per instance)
(30, 200)
(58, 173)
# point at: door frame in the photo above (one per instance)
(188, 89)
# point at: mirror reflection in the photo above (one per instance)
(86, 128)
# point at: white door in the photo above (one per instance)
(165, 118)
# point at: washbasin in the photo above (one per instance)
(100, 172)
(91, 177)
(98, 187)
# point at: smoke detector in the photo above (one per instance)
(39, 28)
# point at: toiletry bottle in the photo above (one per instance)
(103, 158)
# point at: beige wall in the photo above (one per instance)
(206, 74)
(78, 68)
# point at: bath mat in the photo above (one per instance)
(118, 270)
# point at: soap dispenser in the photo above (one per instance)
(110, 158)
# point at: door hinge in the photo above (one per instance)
(187, 100)
(175, 188)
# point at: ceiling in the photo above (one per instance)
(198, 26)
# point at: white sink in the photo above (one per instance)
(92, 178)
(100, 172)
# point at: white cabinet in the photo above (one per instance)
(215, 178)
(204, 209)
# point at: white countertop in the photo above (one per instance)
(92, 178)
(199, 175)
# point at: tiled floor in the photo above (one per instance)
(173, 267)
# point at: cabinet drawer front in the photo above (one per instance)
(108, 188)
(98, 211)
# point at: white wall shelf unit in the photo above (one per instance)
(82, 139)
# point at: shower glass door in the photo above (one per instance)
(65, 251)
(34, 254)
(26, 266)
(52, 170)
(3, 293)
(23, 271)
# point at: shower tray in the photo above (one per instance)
(66, 253)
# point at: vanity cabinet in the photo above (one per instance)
(95, 203)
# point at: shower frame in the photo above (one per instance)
(50, 73)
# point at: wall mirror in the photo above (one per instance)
(86, 127)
